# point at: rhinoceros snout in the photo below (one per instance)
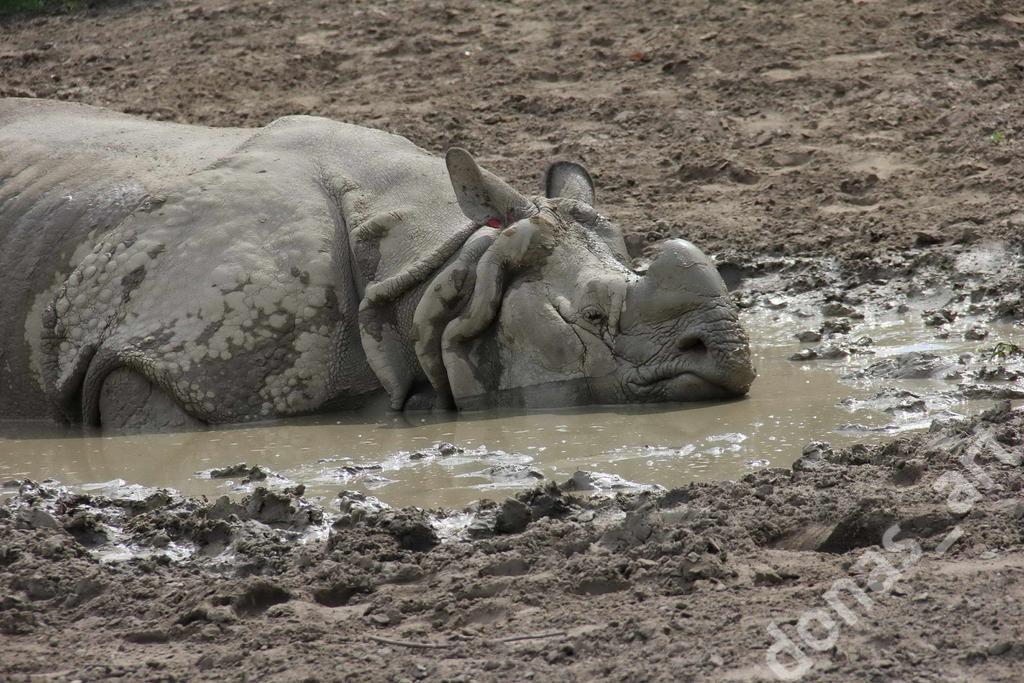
(730, 365)
(683, 296)
(718, 353)
(692, 344)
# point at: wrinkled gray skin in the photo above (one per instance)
(157, 275)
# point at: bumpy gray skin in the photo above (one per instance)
(159, 275)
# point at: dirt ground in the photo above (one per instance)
(856, 154)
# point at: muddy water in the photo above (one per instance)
(406, 460)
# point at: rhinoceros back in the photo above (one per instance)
(68, 174)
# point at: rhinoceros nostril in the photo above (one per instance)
(691, 344)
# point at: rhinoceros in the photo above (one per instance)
(158, 274)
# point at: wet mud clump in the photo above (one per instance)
(553, 583)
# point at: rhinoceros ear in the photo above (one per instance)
(482, 195)
(569, 180)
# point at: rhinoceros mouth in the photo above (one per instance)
(646, 376)
(684, 387)
(683, 382)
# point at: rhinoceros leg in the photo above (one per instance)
(128, 401)
(440, 303)
(385, 352)
(386, 313)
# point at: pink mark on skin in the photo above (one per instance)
(494, 223)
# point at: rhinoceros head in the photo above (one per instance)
(542, 309)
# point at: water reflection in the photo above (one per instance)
(396, 457)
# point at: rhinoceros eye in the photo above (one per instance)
(593, 315)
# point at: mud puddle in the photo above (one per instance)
(858, 394)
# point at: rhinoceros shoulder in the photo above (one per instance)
(322, 136)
